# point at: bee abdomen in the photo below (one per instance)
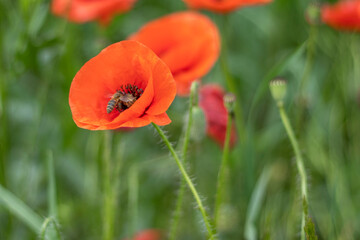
(111, 105)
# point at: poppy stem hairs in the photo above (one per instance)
(223, 176)
(179, 203)
(211, 231)
(278, 91)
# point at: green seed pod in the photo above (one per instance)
(278, 89)
(313, 14)
(229, 102)
(198, 127)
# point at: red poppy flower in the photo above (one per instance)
(87, 10)
(188, 42)
(126, 85)
(150, 234)
(211, 101)
(223, 6)
(344, 15)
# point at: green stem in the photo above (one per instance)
(211, 231)
(299, 163)
(230, 81)
(4, 129)
(223, 173)
(109, 201)
(52, 186)
(53, 232)
(133, 199)
(179, 202)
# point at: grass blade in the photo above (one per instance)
(255, 204)
(20, 210)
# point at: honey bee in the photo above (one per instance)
(124, 98)
(120, 101)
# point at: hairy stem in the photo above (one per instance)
(299, 163)
(210, 230)
(223, 173)
(179, 202)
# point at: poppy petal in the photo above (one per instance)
(121, 64)
(82, 11)
(223, 6)
(344, 15)
(216, 115)
(172, 39)
(161, 119)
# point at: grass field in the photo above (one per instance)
(53, 171)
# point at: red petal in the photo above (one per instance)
(126, 62)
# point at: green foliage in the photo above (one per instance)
(41, 53)
(20, 209)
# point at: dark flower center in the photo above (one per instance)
(124, 98)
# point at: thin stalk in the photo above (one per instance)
(53, 232)
(133, 199)
(52, 186)
(230, 81)
(4, 130)
(299, 163)
(108, 196)
(179, 202)
(211, 231)
(223, 173)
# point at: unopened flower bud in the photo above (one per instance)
(198, 127)
(278, 89)
(313, 14)
(229, 102)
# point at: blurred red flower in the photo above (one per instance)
(126, 85)
(222, 6)
(150, 234)
(211, 101)
(81, 11)
(188, 42)
(344, 15)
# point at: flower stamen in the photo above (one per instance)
(124, 98)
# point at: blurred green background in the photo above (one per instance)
(40, 54)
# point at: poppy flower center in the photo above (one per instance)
(124, 98)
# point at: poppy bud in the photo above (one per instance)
(278, 89)
(188, 42)
(211, 100)
(198, 127)
(313, 14)
(229, 102)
